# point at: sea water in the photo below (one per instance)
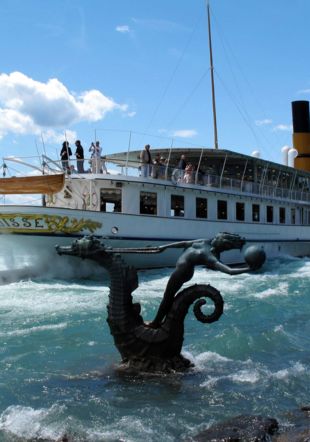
(58, 360)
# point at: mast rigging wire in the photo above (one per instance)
(173, 74)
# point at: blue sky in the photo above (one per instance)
(102, 68)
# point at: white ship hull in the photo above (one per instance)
(33, 232)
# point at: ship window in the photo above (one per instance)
(177, 205)
(293, 216)
(269, 214)
(110, 200)
(282, 215)
(301, 216)
(67, 192)
(148, 203)
(221, 209)
(201, 208)
(240, 211)
(255, 212)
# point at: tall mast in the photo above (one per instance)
(216, 146)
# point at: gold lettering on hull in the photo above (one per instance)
(34, 223)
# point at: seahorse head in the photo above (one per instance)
(81, 247)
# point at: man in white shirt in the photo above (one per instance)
(95, 150)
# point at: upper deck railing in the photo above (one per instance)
(175, 176)
(180, 178)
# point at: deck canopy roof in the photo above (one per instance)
(212, 161)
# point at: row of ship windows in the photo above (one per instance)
(111, 201)
(148, 205)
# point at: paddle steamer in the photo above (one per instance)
(265, 202)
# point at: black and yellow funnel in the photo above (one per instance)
(301, 134)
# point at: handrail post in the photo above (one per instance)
(167, 165)
(129, 143)
(223, 171)
(198, 167)
(243, 175)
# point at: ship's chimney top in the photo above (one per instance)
(301, 120)
(301, 135)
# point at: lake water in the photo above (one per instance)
(57, 358)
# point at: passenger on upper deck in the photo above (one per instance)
(188, 177)
(146, 161)
(103, 167)
(72, 170)
(65, 153)
(182, 163)
(79, 153)
(162, 167)
(95, 150)
(155, 166)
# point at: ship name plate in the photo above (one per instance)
(34, 223)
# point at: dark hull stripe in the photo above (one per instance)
(139, 238)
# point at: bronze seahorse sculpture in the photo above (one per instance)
(156, 347)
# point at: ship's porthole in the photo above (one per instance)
(114, 230)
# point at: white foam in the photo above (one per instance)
(29, 423)
(31, 330)
(43, 261)
(286, 373)
(303, 271)
(245, 376)
(206, 361)
(282, 289)
(33, 300)
(249, 375)
(253, 373)
(279, 329)
(210, 383)
(208, 356)
(127, 428)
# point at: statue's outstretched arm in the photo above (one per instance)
(180, 244)
(229, 270)
(177, 245)
(154, 249)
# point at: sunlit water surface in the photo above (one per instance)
(57, 358)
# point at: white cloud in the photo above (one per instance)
(23, 199)
(304, 91)
(28, 106)
(15, 122)
(264, 122)
(57, 137)
(185, 133)
(122, 28)
(283, 128)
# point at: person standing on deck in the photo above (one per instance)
(65, 153)
(79, 153)
(188, 176)
(95, 150)
(146, 161)
(182, 163)
(103, 167)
